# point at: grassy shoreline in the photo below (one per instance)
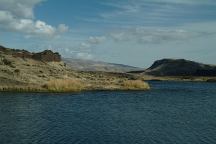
(71, 85)
(85, 90)
(76, 85)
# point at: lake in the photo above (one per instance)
(171, 113)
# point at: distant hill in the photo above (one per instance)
(180, 67)
(89, 65)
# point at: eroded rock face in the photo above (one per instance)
(46, 56)
(22, 54)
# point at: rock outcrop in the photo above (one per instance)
(46, 56)
(180, 67)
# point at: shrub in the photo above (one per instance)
(21, 88)
(64, 85)
(17, 71)
(7, 62)
(135, 85)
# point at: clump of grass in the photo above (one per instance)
(7, 62)
(135, 85)
(64, 85)
(21, 89)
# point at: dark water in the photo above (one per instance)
(171, 113)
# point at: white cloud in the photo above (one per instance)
(142, 36)
(92, 41)
(85, 45)
(18, 16)
(151, 35)
(119, 36)
(194, 2)
(137, 35)
(84, 49)
(96, 39)
(19, 8)
(156, 12)
(63, 28)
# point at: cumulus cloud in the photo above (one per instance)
(84, 49)
(19, 8)
(18, 16)
(92, 41)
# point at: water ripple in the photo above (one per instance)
(171, 113)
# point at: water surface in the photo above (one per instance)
(171, 113)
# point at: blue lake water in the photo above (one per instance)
(171, 113)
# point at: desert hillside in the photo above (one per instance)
(21, 70)
(89, 65)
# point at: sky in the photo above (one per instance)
(132, 32)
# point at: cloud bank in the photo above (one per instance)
(143, 35)
(146, 35)
(18, 16)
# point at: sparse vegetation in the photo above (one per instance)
(17, 71)
(135, 85)
(7, 62)
(22, 89)
(211, 80)
(32, 75)
(64, 85)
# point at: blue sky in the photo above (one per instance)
(133, 32)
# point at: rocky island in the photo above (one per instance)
(21, 70)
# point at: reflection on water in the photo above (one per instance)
(172, 112)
